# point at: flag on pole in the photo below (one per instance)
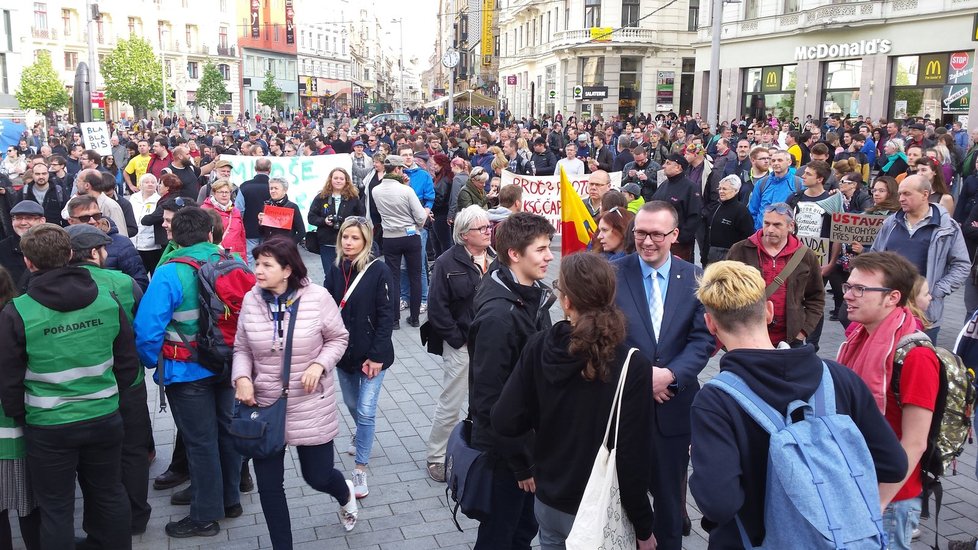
(576, 224)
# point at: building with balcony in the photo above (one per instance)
(185, 38)
(268, 42)
(326, 61)
(596, 57)
(14, 43)
(874, 58)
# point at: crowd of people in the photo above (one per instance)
(101, 258)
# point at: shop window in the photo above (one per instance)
(840, 87)
(769, 91)
(630, 85)
(592, 71)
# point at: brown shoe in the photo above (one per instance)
(436, 471)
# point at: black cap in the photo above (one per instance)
(679, 159)
(917, 126)
(85, 237)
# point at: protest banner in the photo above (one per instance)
(850, 228)
(96, 136)
(306, 175)
(819, 246)
(278, 217)
(541, 194)
(808, 219)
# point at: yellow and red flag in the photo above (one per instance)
(576, 224)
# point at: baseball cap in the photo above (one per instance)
(27, 208)
(632, 188)
(222, 163)
(679, 159)
(358, 143)
(394, 161)
(84, 237)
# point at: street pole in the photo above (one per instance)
(713, 97)
(400, 24)
(93, 67)
(451, 95)
(163, 70)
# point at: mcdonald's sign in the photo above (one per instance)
(933, 69)
(771, 79)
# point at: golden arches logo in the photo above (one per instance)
(933, 69)
(771, 79)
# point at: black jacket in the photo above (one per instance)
(506, 315)
(452, 288)
(730, 450)
(604, 158)
(368, 315)
(651, 183)
(126, 206)
(54, 201)
(255, 193)
(685, 198)
(545, 162)
(728, 222)
(63, 289)
(322, 209)
(12, 259)
(623, 158)
(568, 415)
(298, 230)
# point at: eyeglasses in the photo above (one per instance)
(859, 290)
(88, 217)
(640, 236)
(484, 229)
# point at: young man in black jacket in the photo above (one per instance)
(544, 160)
(729, 450)
(511, 304)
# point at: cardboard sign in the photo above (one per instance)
(808, 219)
(96, 136)
(541, 194)
(819, 246)
(278, 217)
(859, 228)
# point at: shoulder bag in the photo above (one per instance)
(259, 432)
(601, 522)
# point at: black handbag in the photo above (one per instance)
(312, 242)
(468, 473)
(259, 432)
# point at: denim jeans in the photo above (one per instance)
(554, 526)
(202, 413)
(406, 282)
(899, 520)
(360, 395)
(250, 245)
(316, 462)
(448, 413)
(511, 526)
(327, 255)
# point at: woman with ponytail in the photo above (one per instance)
(562, 388)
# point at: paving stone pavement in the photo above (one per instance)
(405, 509)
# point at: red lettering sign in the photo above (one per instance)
(959, 60)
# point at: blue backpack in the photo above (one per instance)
(821, 481)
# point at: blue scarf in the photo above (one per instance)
(892, 158)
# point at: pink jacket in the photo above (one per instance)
(234, 233)
(320, 337)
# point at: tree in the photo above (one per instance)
(133, 75)
(270, 94)
(41, 88)
(211, 93)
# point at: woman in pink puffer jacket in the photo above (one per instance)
(319, 341)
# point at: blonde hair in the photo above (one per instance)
(733, 293)
(360, 262)
(919, 313)
(220, 184)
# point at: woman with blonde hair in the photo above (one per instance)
(474, 191)
(220, 202)
(143, 204)
(337, 201)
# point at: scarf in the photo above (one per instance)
(284, 201)
(219, 207)
(892, 158)
(871, 355)
(277, 306)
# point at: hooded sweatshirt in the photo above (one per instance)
(729, 452)
(569, 415)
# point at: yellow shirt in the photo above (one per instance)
(795, 152)
(138, 165)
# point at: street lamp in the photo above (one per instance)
(163, 68)
(713, 96)
(400, 24)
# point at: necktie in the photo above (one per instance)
(655, 305)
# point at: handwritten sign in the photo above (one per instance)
(306, 175)
(819, 246)
(808, 219)
(278, 217)
(96, 136)
(860, 228)
(541, 194)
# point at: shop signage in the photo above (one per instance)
(665, 84)
(848, 49)
(601, 34)
(488, 41)
(289, 22)
(934, 69)
(551, 96)
(962, 68)
(771, 79)
(578, 93)
(255, 18)
(511, 80)
(594, 92)
(957, 98)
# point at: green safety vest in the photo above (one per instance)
(69, 374)
(11, 439)
(120, 285)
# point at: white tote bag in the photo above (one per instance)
(601, 523)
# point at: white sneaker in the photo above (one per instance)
(424, 308)
(404, 305)
(348, 513)
(915, 534)
(360, 483)
(352, 449)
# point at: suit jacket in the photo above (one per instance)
(686, 343)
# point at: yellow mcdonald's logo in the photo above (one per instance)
(933, 69)
(771, 79)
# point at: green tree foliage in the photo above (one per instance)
(270, 94)
(211, 93)
(41, 89)
(133, 75)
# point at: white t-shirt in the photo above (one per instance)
(572, 167)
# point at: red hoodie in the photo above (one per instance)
(770, 268)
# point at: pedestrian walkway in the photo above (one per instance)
(405, 509)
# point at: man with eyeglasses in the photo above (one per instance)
(792, 272)
(122, 254)
(24, 215)
(927, 236)
(656, 292)
(879, 287)
(598, 184)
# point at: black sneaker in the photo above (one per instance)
(186, 528)
(182, 497)
(413, 321)
(233, 511)
(247, 484)
(169, 479)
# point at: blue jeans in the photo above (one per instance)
(316, 462)
(899, 520)
(406, 282)
(202, 413)
(250, 245)
(554, 526)
(327, 255)
(360, 395)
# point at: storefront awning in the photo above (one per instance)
(462, 98)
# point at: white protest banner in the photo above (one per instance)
(306, 175)
(808, 219)
(819, 246)
(861, 228)
(541, 194)
(96, 136)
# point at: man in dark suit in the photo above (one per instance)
(657, 293)
(600, 157)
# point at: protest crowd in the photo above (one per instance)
(175, 263)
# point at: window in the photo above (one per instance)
(750, 9)
(100, 27)
(4, 86)
(224, 6)
(41, 16)
(769, 91)
(192, 70)
(71, 61)
(592, 13)
(841, 82)
(132, 26)
(7, 31)
(630, 86)
(66, 19)
(693, 20)
(592, 71)
(222, 37)
(276, 32)
(188, 35)
(792, 6)
(566, 14)
(169, 68)
(629, 13)
(225, 71)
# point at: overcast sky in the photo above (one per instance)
(420, 26)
